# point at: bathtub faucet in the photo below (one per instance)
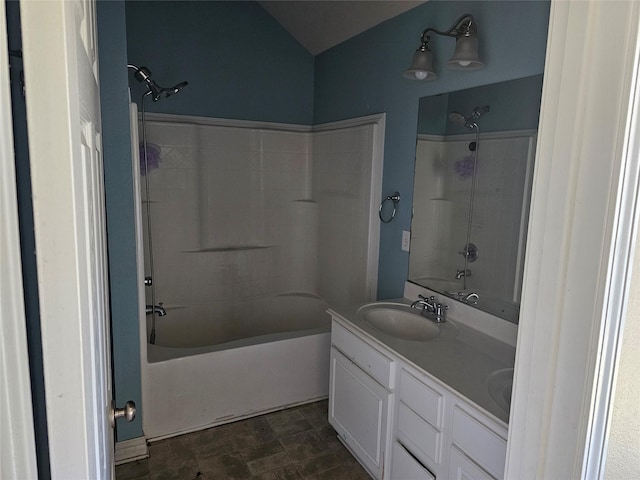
(157, 309)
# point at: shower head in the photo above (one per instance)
(470, 121)
(143, 75)
(458, 118)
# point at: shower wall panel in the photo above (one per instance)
(342, 188)
(442, 193)
(242, 214)
(233, 221)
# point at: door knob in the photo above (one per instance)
(128, 411)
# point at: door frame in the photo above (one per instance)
(549, 320)
(582, 224)
(17, 436)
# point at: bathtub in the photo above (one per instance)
(274, 355)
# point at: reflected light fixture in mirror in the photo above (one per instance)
(465, 56)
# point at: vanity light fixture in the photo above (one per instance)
(465, 56)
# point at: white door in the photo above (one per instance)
(63, 116)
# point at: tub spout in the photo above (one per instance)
(157, 309)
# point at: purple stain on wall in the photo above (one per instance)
(464, 167)
(153, 158)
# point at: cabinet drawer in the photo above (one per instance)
(418, 436)
(370, 360)
(460, 466)
(484, 446)
(405, 467)
(422, 399)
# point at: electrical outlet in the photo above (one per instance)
(406, 240)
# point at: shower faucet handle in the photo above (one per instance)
(148, 281)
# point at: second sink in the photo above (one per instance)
(399, 321)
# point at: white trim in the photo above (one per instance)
(222, 122)
(131, 450)
(376, 118)
(625, 233)
(17, 438)
(588, 73)
(467, 137)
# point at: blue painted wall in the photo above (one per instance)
(515, 105)
(364, 75)
(119, 195)
(239, 62)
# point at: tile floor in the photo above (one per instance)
(297, 443)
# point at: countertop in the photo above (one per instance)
(461, 358)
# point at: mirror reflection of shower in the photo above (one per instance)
(143, 75)
(470, 251)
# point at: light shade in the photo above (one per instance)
(421, 67)
(465, 56)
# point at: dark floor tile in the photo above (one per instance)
(262, 450)
(342, 472)
(261, 429)
(235, 466)
(160, 457)
(133, 470)
(212, 468)
(181, 451)
(183, 472)
(243, 435)
(212, 442)
(287, 422)
(265, 476)
(265, 464)
(317, 464)
(317, 417)
(303, 445)
(287, 473)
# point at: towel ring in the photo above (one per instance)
(395, 198)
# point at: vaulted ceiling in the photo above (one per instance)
(320, 25)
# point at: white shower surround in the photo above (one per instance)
(502, 198)
(294, 186)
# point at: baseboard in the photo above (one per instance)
(130, 450)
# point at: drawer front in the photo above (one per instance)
(461, 467)
(418, 436)
(405, 467)
(422, 399)
(485, 447)
(379, 366)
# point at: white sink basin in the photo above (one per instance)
(499, 384)
(399, 321)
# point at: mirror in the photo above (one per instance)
(474, 166)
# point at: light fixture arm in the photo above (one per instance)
(464, 26)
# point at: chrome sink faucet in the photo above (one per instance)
(431, 308)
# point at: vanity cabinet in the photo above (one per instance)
(360, 398)
(403, 424)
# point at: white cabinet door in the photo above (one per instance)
(462, 467)
(359, 411)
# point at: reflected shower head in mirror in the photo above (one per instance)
(470, 121)
(143, 75)
(458, 118)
